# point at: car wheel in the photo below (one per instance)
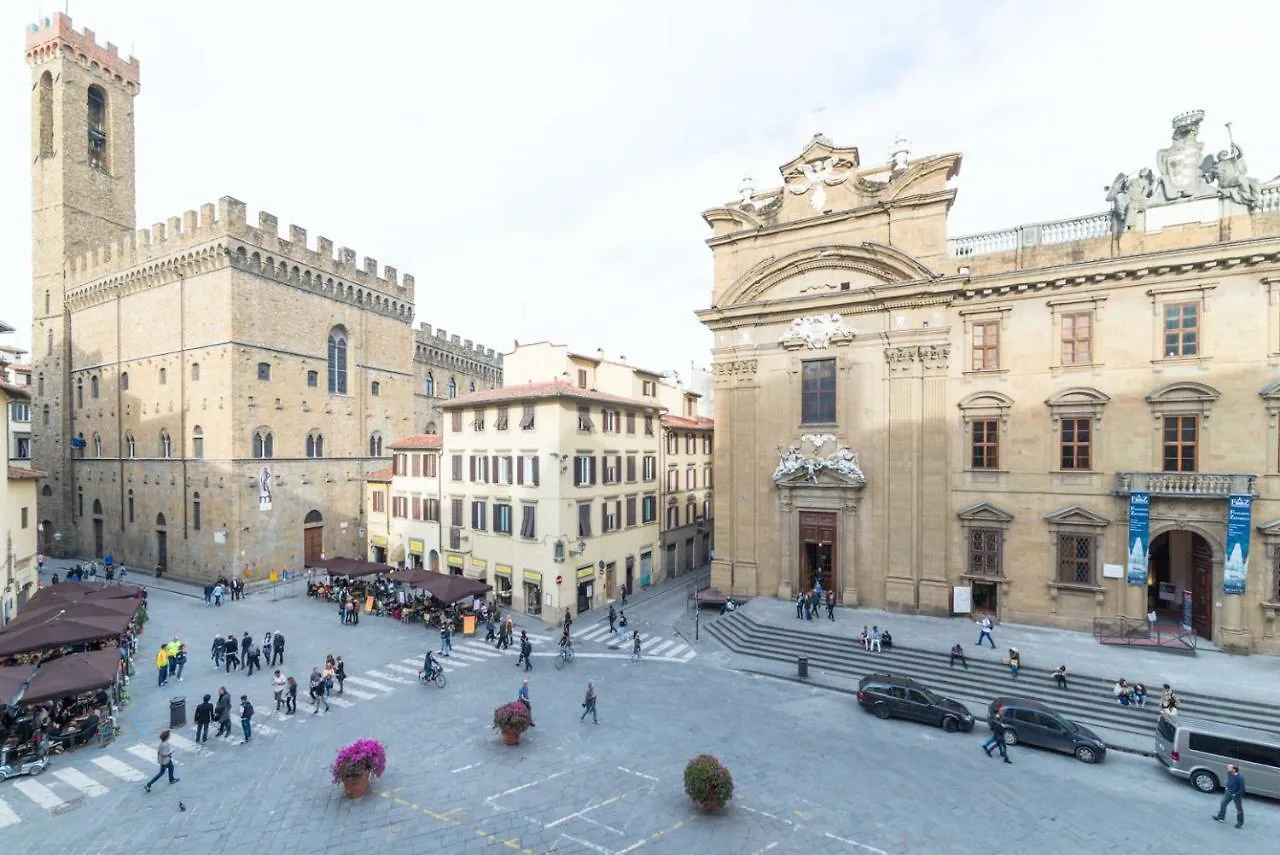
(881, 711)
(1205, 782)
(35, 770)
(949, 724)
(1010, 737)
(1085, 754)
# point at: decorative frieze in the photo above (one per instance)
(930, 358)
(816, 332)
(736, 368)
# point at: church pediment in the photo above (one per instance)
(985, 512)
(1272, 528)
(821, 149)
(1076, 515)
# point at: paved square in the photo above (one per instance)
(812, 772)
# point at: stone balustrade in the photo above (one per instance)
(1074, 229)
(1270, 201)
(1192, 485)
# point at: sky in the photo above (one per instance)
(541, 168)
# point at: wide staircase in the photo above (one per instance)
(1089, 699)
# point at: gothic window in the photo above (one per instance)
(195, 512)
(79, 501)
(79, 392)
(97, 122)
(46, 122)
(264, 370)
(80, 443)
(48, 343)
(129, 447)
(40, 385)
(431, 385)
(130, 504)
(97, 445)
(375, 444)
(263, 444)
(315, 444)
(338, 361)
(313, 379)
(453, 388)
(197, 442)
(44, 415)
(375, 389)
(93, 386)
(164, 376)
(195, 371)
(166, 445)
(473, 386)
(124, 382)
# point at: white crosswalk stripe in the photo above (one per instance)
(412, 660)
(686, 657)
(453, 662)
(119, 768)
(364, 696)
(678, 649)
(341, 702)
(264, 729)
(81, 782)
(370, 684)
(144, 752)
(403, 669)
(483, 649)
(38, 793)
(390, 678)
(662, 646)
(466, 657)
(593, 633)
(184, 743)
(7, 815)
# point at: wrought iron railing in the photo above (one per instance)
(1133, 632)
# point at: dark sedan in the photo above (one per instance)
(888, 696)
(1034, 723)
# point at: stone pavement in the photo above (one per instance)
(812, 772)
(1209, 672)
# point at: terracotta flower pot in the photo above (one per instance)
(511, 737)
(357, 786)
(709, 806)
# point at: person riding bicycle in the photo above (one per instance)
(566, 641)
(430, 667)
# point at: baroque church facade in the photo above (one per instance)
(1057, 423)
(178, 421)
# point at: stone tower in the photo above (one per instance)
(82, 198)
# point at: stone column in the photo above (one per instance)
(738, 493)
(902, 473)
(788, 547)
(849, 530)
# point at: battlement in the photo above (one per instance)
(425, 337)
(259, 247)
(56, 36)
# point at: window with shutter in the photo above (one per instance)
(648, 425)
(455, 538)
(631, 468)
(584, 519)
(594, 473)
(494, 477)
(433, 510)
(455, 512)
(584, 419)
(417, 466)
(429, 465)
(521, 462)
(691, 479)
(500, 420)
(417, 508)
(528, 522)
(526, 418)
(455, 419)
(456, 463)
(478, 515)
(650, 467)
(604, 518)
(478, 423)
(631, 422)
(631, 510)
(648, 509)
(534, 482)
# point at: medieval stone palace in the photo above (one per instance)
(208, 391)
(1055, 423)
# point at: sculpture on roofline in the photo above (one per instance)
(1128, 196)
(1232, 175)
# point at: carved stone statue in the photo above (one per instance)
(789, 461)
(1180, 165)
(1231, 174)
(1128, 196)
(813, 176)
(842, 461)
(815, 332)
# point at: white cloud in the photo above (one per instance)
(542, 167)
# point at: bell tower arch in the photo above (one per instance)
(82, 199)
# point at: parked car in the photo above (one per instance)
(1033, 723)
(888, 696)
(1198, 750)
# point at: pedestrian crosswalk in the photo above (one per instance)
(651, 646)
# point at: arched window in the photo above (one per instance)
(160, 521)
(164, 376)
(97, 445)
(97, 507)
(46, 120)
(79, 392)
(313, 379)
(97, 121)
(431, 385)
(93, 387)
(44, 415)
(79, 501)
(124, 381)
(166, 445)
(473, 386)
(337, 361)
(263, 444)
(313, 518)
(80, 444)
(264, 370)
(195, 512)
(46, 491)
(48, 343)
(40, 384)
(375, 444)
(315, 444)
(453, 388)
(129, 447)
(130, 508)
(197, 442)
(195, 371)
(375, 389)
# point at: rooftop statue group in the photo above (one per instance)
(1186, 172)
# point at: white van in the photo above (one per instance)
(1198, 750)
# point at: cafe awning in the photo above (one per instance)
(73, 675)
(352, 567)
(443, 586)
(59, 629)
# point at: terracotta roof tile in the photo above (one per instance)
(539, 391)
(699, 423)
(380, 475)
(417, 442)
(19, 473)
(21, 392)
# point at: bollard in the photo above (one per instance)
(803, 665)
(178, 712)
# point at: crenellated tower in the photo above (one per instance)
(82, 198)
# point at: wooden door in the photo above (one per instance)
(1201, 587)
(162, 550)
(312, 544)
(97, 537)
(818, 550)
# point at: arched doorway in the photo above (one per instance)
(97, 529)
(434, 559)
(1182, 566)
(312, 538)
(162, 545)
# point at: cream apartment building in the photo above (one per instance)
(18, 512)
(550, 493)
(414, 537)
(1055, 422)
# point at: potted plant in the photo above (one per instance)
(356, 762)
(512, 720)
(708, 783)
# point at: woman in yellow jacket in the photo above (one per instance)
(162, 663)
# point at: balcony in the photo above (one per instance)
(1187, 485)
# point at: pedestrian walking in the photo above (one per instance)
(635, 646)
(446, 637)
(164, 756)
(523, 697)
(340, 674)
(589, 705)
(985, 631)
(277, 648)
(278, 685)
(174, 647)
(1014, 661)
(1234, 793)
(162, 664)
(246, 718)
(1060, 676)
(216, 651)
(181, 660)
(245, 644)
(490, 630)
(957, 652)
(232, 654)
(254, 660)
(218, 594)
(291, 697)
(613, 620)
(204, 715)
(222, 713)
(316, 689)
(831, 605)
(997, 739)
(208, 594)
(526, 649)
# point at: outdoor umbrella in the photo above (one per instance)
(450, 589)
(351, 567)
(11, 679)
(59, 630)
(415, 577)
(71, 592)
(73, 675)
(78, 609)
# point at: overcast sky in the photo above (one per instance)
(542, 167)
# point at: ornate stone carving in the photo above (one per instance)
(1181, 175)
(736, 368)
(932, 354)
(1129, 195)
(816, 332)
(842, 461)
(1232, 175)
(813, 176)
(818, 440)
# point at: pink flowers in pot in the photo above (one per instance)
(360, 758)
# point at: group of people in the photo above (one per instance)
(875, 640)
(171, 659)
(222, 589)
(80, 572)
(221, 711)
(809, 603)
(55, 726)
(245, 652)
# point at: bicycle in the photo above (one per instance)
(437, 677)
(565, 656)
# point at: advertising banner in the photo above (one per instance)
(1239, 521)
(1139, 524)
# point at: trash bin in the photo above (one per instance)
(178, 712)
(803, 664)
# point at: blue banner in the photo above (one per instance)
(1139, 525)
(1239, 521)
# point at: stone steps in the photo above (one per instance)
(1089, 699)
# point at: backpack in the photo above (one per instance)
(247, 711)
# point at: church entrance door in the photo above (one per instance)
(818, 550)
